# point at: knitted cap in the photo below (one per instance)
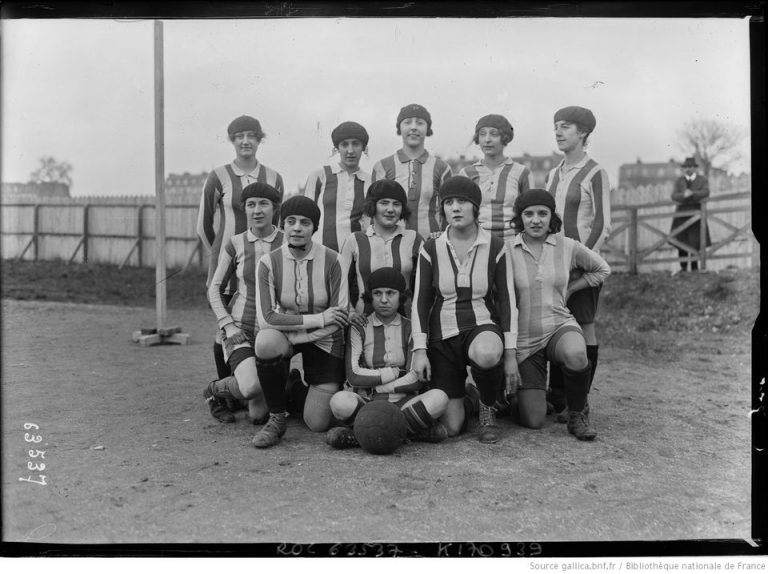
(387, 189)
(259, 189)
(577, 115)
(534, 197)
(386, 277)
(300, 205)
(414, 111)
(349, 130)
(462, 187)
(244, 124)
(495, 121)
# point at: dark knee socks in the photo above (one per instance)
(222, 368)
(577, 387)
(487, 380)
(417, 417)
(272, 377)
(592, 358)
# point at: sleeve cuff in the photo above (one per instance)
(313, 321)
(226, 321)
(510, 340)
(419, 341)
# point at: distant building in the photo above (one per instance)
(185, 188)
(540, 165)
(643, 174)
(43, 191)
(185, 182)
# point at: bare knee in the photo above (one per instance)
(575, 359)
(486, 352)
(271, 344)
(343, 404)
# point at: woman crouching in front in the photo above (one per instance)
(547, 268)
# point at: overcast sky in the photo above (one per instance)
(82, 90)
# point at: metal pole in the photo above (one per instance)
(160, 292)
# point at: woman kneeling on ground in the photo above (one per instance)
(237, 320)
(302, 307)
(542, 260)
(464, 310)
(378, 363)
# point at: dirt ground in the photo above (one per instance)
(133, 455)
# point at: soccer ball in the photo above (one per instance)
(380, 427)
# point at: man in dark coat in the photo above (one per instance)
(688, 192)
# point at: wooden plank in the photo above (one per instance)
(160, 268)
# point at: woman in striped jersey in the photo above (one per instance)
(543, 260)
(385, 243)
(302, 307)
(378, 360)
(413, 167)
(237, 319)
(339, 189)
(221, 213)
(464, 310)
(582, 195)
(501, 179)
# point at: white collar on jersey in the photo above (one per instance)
(337, 169)
(240, 173)
(289, 254)
(267, 239)
(376, 322)
(400, 154)
(400, 230)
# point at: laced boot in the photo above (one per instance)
(271, 432)
(436, 433)
(489, 430)
(341, 437)
(578, 426)
(217, 404)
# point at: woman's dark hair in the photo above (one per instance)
(555, 224)
(475, 212)
(369, 209)
(404, 295)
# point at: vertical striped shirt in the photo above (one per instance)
(452, 297)
(421, 178)
(500, 187)
(239, 258)
(221, 214)
(380, 354)
(340, 196)
(541, 287)
(365, 252)
(583, 199)
(291, 294)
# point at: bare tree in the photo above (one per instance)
(710, 142)
(52, 171)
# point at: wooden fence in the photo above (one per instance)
(123, 234)
(641, 235)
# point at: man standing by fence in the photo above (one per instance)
(582, 198)
(221, 213)
(688, 192)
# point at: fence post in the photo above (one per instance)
(85, 232)
(633, 240)
(703, 237)
(36, 231)
(140, 233)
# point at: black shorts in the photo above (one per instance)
(320, 367)
(449, 359)
(533, 371)
(583, 304)
(239, 355)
